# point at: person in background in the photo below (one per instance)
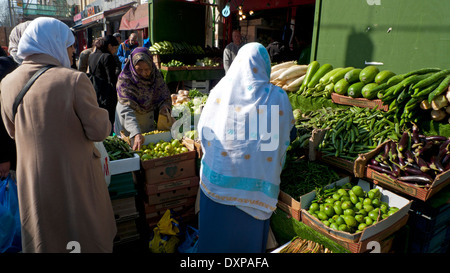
(126, 47)
(236, 202)
(7, 65)
(141, 90)
(232, 49)
(83, 60)
(118, 63)
(118, 37)
(103, 65)
(147, 42)
(61, 186)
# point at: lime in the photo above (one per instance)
(358, 191)
(340, 221)
(314, 207)
(349, 212)
(346, 205)
(329, 210)
(362, 226)
(322, 215)
(343, 227)
(334, 226)
(367, 201)
(359, 218)
(337, 210)
(350, 220)
(176, 143)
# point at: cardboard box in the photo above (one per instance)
(169, 168)
(289, 205)
(193, 145)
(158, 198)
(360, 102)
(124, 209)
(168, 186)
(162, 207)
(423, 194)
(358, 242)
(124, 165)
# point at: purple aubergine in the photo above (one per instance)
(416, 179)
(409, 156)
(403, 143)
(414, 171)
(436, 164)
(422, 164)
(381, 169)
(437, 138)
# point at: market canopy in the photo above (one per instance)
(135, 18)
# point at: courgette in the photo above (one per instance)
(383, 76)
(340, 74)
(341, 87)
(368, 74)
(355, 89)
(325, 80)
(353, 75)
(324, 69)
(310, 71)
(367, 91)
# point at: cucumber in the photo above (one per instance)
(341, 87)
(367, 91)
(324, 69)
(355, 90)
(340, 74)
(383, 76)
(353, 75)
(368, 74)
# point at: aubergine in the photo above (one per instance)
(419, 179)
(381, 169)
(409, 171)
(437, 138)
(409, 156)
(422, 164)
(436, 164)
(445, 160)
(374, 162)
(403, 143)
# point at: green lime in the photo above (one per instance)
(340, 220)
(314, 207)
(358, 191)
(362, 226)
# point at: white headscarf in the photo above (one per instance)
(45, 35)
(244, 130)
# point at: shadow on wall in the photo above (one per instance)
(359, 49)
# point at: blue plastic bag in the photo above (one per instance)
(10, 236)
(190, 244)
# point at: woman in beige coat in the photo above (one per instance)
(63, 197)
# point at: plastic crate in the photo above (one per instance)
(121, 186)
(436, 242)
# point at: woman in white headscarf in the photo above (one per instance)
(245, 131)
(64, 201)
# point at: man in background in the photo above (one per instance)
(232, 49)
(126, 47)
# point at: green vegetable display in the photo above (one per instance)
(349, 208)
(117, 148)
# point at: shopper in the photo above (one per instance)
(141, 90)
(63, 196)
(7, 65)
(126, 47)
(103, 65)
(232, 49)
(242, 161)
(83, 59)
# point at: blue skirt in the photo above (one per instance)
(227, 229)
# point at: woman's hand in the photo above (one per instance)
(138, 142)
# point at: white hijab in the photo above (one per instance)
(244, 130)
(45, 35)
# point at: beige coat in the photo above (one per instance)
(63, 196)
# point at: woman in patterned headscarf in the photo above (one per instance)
(245, 131)
(141, 90)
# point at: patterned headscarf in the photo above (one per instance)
(142, 94)
(246, 122)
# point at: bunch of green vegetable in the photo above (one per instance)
(173, 63)
(302, 176)
(117, 148)
(355, 131)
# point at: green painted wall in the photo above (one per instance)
(176, 22)
(402, 34)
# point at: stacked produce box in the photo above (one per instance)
(169, 180)
(388, 133)
(123, 162)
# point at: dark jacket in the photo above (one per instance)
(103, 65)
(8, 152)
